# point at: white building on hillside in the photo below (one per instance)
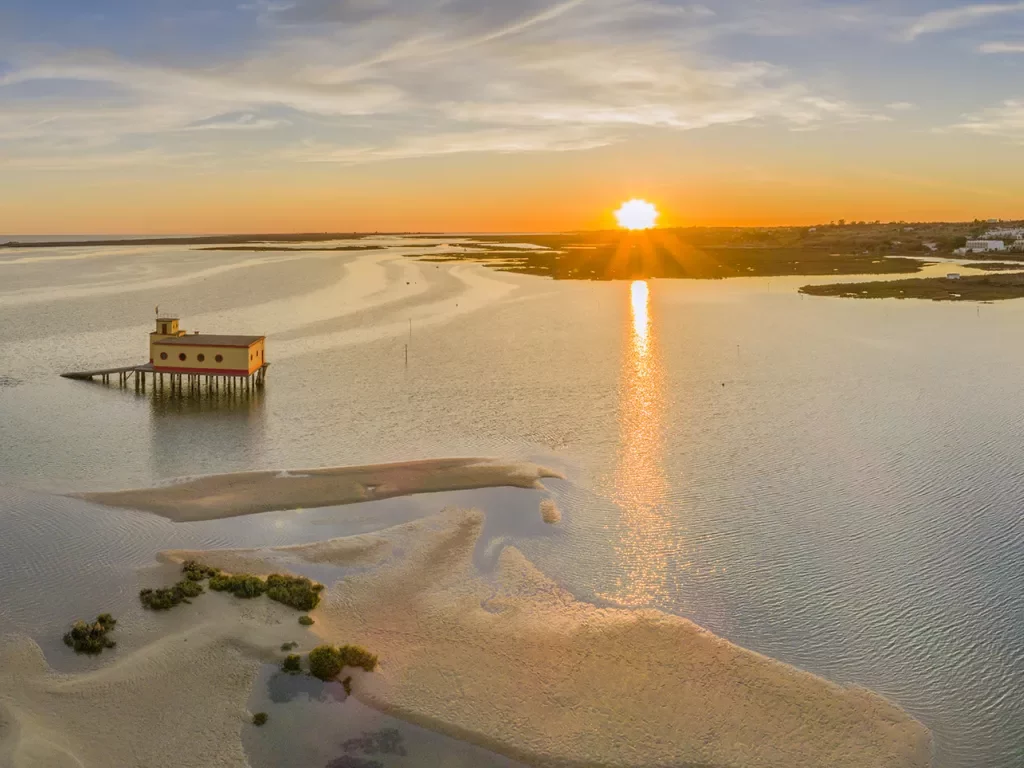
(985, 245)
(1018, 245)
(1005, 233)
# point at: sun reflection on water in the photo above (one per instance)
(639, 486)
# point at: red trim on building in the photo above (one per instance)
(221, 371)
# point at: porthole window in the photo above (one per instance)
(219, 358)
(182, 356)
(200, 357)
(163, 355)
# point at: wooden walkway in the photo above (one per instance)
(105, 373)
(177, 383)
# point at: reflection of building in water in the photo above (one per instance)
(639, 486)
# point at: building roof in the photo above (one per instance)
(212, 340)
(167, 318)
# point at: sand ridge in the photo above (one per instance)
(515, 663)
(245, 493)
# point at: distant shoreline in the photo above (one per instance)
(316, 237)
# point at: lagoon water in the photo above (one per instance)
(834, 483)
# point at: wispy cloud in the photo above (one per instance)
(1004, 121)
(477, 75)
(499, 140)
(243, 122)
(901, 106)
(1001, 47)
(957, 18)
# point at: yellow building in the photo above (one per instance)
(172, 350)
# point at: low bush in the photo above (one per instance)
(195, 571)
(91, 638)
(288, 646)
(347, 685)
(242, 585)
(292, 664)
(260, 718)
(357, 656)
(295, 591)
(306, 621)
(325, 662)
(166, 598)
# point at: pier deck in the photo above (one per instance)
(178, 382)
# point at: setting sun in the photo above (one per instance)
(637, 214)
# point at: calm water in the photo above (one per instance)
(834, 483)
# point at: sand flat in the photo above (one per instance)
(514, 663)
(177, 699)
(246, 493)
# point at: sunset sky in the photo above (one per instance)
(170, 116)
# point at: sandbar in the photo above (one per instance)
(513, 662)
(245, 493)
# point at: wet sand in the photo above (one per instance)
(514, 663)
(245, 493)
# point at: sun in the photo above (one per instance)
(637, 214)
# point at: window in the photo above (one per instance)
(163, 355)
(200, 357)
(219, 358)
(182, 357)
(163, 328)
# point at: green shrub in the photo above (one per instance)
(165, 599)
(195, 571)
(288, 646)
(325, 662)
(347, 685)
(259, 718)
(306, 621)
(357, 656)
(292, 664)
(295, 591)
(91, 638)
(242, 585)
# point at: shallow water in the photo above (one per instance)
(834, 483)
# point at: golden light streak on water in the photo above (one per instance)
(639, 484)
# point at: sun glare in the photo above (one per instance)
(637, 214)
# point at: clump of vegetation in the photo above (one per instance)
(260, 718)
(195, 571)
(91, 638)
(292, 664)
(295, 591)
(357, 656)
(166, 598)
(326, 661)
(289, 646)
(347, 685)
(242, 585)
(306, 621)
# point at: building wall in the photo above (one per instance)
(233, 359)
